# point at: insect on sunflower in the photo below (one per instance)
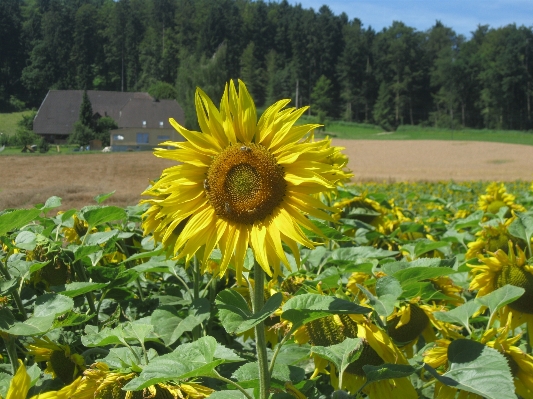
(241, 183)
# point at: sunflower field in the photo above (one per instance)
(255, 269)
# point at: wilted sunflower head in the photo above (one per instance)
(60, 361)
(360, 207)
(490, 239)
(241, 183)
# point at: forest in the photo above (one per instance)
(340, 67)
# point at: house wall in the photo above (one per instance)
(141, 139)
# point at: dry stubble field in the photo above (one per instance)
(76, 178)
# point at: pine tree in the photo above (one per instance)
(86, 111)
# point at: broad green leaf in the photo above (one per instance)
(391, 268)
(121, 358)
(235, 314)
(353, 253)
(231, 394)
(26, 240)
(388, 286)
(79, 288)
(169, 326)
(197, 359)
(415, 274)
(138, 330)
(281, 372)
(522, 227)
(424, 246)
(52, 304)
(501, 297)
(7, 287)
(82, 251)
(151, 254)
(33, 326)
(348, 351)
(383, 305)
(16, 219)
(460, 315)
(304, 308)
(73, 319)
(100, 237)
(102, 197)
(6, 319)
(51, 203)
(476, 368)
(387, 371)
(101, 215)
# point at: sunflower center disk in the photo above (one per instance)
(519, 277)
(245, 184)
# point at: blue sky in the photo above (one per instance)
(463, 16)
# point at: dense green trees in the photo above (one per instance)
(396, 76)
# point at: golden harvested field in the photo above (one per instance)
(76, 178)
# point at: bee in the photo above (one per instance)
(227, 208)
(246, 149)
(206, 185)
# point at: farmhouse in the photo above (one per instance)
(142, 120)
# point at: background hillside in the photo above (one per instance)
(344, 70)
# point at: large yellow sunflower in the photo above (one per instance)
(497, 196)
(500, 269)
(241, 183)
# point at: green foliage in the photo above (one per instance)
(322, 98)
(82, 134)
(163, 91)
(43, 145)
(86, 116)
(103, 126)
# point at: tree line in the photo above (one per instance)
(340, 67)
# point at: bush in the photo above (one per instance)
(43, 145)
(103, 126)
(81, 135)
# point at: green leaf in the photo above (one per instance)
(281, 373)
(169, 326)
(26, 240)
(328, 232)
(476, 368)
(235, 314)
(82, 251)
(383, 305)
(522, 227)
(348, 351)
(52, 305)
(101, 215)
(460, 315)
(16, 219)
(7, 287)
(79, 288)
(425, 246)
(354, 253)
(231, 394)
(102, 197)
(415, 274)
(387, 371)
(100, 237)
(388, 286)
(33, 326)
(197, 359)
(73, 319)
(304, 308)
(52, 202)
(501, 297)
(7, 320)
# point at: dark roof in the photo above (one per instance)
(60, 110)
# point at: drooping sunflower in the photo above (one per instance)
(61, 362)
(500, 269)
(378, 349)
(491, 238)
(241, 183)
(497, 196)
(20, 384)
(99, 382)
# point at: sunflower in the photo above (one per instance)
(60, 361)
(491, 238)
(241, 183)
(99, 382)
(20, 384)
(500, 269)
(496, 197)
(520, 363)
(378, 349)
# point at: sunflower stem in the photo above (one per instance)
(15, 294)
(80, 272)
(196, 292)
(276, 352)
(260, 337)
(11, 349)
(228, 381)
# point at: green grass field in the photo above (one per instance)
(8, 122)
(361, 131)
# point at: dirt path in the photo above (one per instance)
(27, 180)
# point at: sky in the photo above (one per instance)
(463, 16)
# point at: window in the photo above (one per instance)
(162, 138)
(142, 138)
(118, 137)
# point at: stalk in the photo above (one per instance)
(258, 301)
